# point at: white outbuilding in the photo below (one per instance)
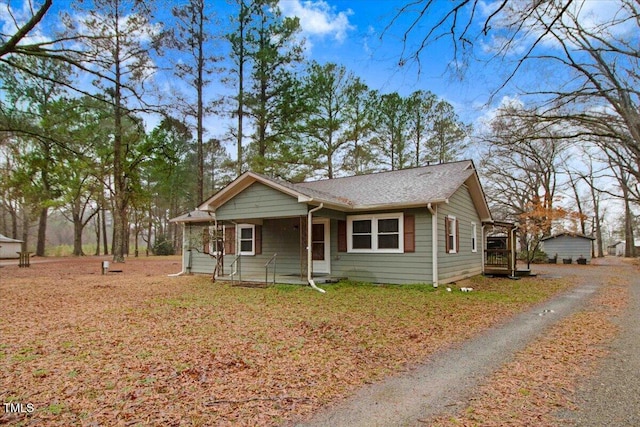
(569, 246)
(9, 248)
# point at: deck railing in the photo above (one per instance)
(497, 258)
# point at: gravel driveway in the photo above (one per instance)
(445, 382)
(612, 396)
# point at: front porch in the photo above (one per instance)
(267, 250)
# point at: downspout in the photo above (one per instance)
(434, 242)
(183, 246)
(484, 244)
(309, 253)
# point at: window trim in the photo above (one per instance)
(453, 232)
(374, 232)
(239, 238)
(474, 237)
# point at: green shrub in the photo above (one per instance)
(539, 257)
(163, 246)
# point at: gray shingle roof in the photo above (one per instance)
(420, 185)
(393, 189)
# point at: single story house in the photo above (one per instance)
(419, 225)
(568, 245)
(9, 247)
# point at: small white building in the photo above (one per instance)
(618, 248)
(9, 248)
(568, 246)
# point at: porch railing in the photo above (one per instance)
(497, 258)
(266, 269)
(235, 269)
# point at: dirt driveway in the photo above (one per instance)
(446, 382)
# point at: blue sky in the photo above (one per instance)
(347, 32)
(355, 34)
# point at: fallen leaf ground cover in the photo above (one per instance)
(141, 348)
(541, 380)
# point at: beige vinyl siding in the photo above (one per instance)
(403, 268)
(260, 201)
(464, 263)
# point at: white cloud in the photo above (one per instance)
(13, 18)
(318, 18)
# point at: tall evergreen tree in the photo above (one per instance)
(360, 155)
(271, 49)
(328, 92)
(117, 49)
(194, 37)
(393, 131)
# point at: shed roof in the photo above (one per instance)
(568, 234)
(5, 239)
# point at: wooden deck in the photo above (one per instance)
(499, 262)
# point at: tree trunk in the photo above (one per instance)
(149, 230)
(25, 229)
(42, 232)
(119, 178)
(98, 232)
(77, 235)
(629, 247)
(14, 223)
(105, 237)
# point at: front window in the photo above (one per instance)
(246, 234)
(375, 233)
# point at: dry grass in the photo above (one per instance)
(542, 378)
(141, 348)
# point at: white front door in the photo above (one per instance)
(320, 245)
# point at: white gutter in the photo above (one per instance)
(309, 254)
(434, 242)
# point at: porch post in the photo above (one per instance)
(302, 229)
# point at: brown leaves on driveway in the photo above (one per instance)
(541, 379)
(141, 348)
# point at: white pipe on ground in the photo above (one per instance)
(309, 253)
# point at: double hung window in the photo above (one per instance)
(375, 233)
(247, 239)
